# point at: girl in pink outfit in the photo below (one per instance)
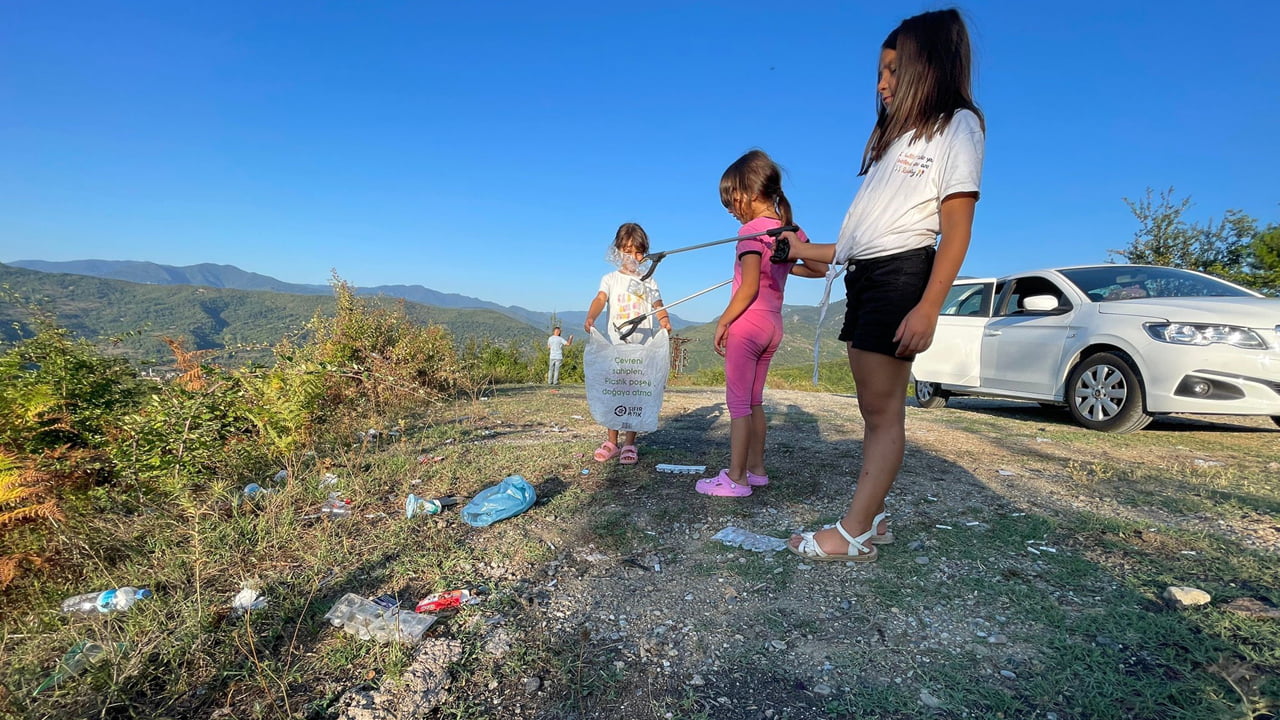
(751, 326)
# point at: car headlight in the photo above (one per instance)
(1195, 334)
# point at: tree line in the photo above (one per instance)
(1236, 247)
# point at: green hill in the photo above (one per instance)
(799, 323)
(133, 316)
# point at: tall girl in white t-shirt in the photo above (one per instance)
(923, 165)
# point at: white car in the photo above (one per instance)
(1117, 344)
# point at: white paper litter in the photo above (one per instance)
(248, 599)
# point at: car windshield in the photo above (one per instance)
(1106, 283)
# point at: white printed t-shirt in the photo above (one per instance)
(898, 207)
(630, 297)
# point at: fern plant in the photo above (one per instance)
(23, 499)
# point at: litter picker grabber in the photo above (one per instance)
(626, 328)
(652, 259)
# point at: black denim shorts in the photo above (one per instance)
(880, 292)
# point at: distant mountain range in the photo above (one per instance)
(233, 278)
(198, 302)
(133, 316)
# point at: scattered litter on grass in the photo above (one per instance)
(329, 480)
(75, 660)
(414, 505)
(254, 489)
(335, 507)
(1032, 550)
(368, 620)
(1186, 552)
(1040, 439)
(747, 540)
(1206, 463)
(447, 600)
(585, 471)
(682, 469)
(1006, 472)
(427, 459)
(281, 476)
(577, 417)
(943, 527)
(1016, 514)
(508, 498)
(248, 599)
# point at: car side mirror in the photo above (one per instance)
(1040, 303)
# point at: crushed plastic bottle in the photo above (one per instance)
(414, 505)
(254, 490)
(747, 540)
(369, 621)
(80, 656)
(281, 476)
(447, 600)
(335, 507)
(103, 602)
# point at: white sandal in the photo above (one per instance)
(810, 549)
(885, 538)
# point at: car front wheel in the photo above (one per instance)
(1104, 393)
(929, 395)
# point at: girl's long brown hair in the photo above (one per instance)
(934, 73)
(755, 175)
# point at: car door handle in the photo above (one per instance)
(990, 333)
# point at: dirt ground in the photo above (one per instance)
(641, 614)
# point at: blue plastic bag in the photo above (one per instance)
(507, 499)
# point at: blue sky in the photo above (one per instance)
(491, 149)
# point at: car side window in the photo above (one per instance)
(970, 299)
(1023, 288)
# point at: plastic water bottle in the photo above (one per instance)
(103, 602)
(335, 507)
(414, 505)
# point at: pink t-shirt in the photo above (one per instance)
(773, 276)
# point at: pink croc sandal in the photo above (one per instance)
(607, 451)
(722, 486)
(755, 480)
(629, 456)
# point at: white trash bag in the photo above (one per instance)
(625, 382)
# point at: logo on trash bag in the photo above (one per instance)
(620, 410)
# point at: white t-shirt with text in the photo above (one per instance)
(898, 206)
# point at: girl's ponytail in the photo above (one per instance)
(783, 206)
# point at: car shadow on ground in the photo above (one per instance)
(1058, 415)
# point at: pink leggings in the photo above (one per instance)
(753, 338)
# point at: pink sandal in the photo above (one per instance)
(607, 451)
(755, 480)
(722, 486)
(629, 456)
